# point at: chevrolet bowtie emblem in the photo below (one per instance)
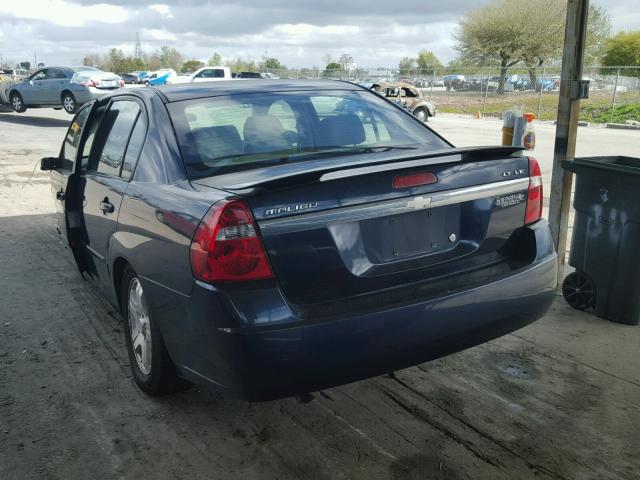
(418, 203)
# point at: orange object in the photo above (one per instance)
(529, 138)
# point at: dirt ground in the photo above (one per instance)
(559, 399)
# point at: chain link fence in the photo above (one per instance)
(614, 92)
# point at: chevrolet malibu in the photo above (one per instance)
(260, 240)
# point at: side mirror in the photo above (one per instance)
(49, 163)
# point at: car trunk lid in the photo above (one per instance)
(353, 230)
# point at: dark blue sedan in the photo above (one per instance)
(259, 239)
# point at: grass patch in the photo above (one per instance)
(596, 109)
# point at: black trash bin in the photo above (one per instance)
(605, 249)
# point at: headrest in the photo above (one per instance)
(339, 130)
(221, 141)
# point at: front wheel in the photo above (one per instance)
(152, 369)
(422, 114)
(69, 103)
(17, 103)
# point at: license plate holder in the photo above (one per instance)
(411, 234)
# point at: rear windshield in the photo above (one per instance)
(239, 132)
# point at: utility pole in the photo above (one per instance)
(138, 48)
(567, 126)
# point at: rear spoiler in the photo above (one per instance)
(293, 174)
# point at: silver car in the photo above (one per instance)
(62, 87)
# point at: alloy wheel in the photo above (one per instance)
(139, 327)
(69, 103)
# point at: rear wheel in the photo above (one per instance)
(69, 102)
(422, 114)
(579, 291)
(17, 103)
(153, 370)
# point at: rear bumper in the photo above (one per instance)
(273, 361)
(88, 94)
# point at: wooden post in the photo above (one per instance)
(567, 127)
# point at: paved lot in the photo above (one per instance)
(559, 399)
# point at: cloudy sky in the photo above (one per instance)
(299, 33)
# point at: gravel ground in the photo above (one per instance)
(559, 399)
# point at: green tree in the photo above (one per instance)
(529, 31)
(428, 62)
(598, 34)
(623, 50)
(407, 65)
(272, 64)
(215, 60)
(492, 33)
(170, 58)
(332, 69)
(152, 61)
(191, 66)
(240, 64)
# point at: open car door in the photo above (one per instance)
(64, 186)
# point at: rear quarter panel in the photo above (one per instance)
(158, 216)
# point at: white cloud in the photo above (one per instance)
(64, 13)
(162, 9)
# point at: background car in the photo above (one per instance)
(159, 77)
(258, 240)
(253, 75)
(407, 96)
(66, 87)
(130, 78)
(453, 82)
(13, 74)
(204, 74)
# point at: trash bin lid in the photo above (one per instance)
(621, 164)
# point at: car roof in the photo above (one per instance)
(188, 91)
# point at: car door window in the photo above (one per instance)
(135, 147)
(72, 140)
(55, 74)
(205, 74)
(111, 139)
(39, 75)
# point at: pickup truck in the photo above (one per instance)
(204, 74)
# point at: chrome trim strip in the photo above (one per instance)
(95, 254)
(396, 206)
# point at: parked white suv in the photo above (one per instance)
(204, 74)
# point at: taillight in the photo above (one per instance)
(89, 83)
(535, 195)
(226, 246)
(414, 179)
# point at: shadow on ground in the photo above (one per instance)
(21, 119)
(518, 407)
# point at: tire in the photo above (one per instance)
(69, 103)
(17, 103)
(579, 291)
(156, 376)
(146, 83)
(421, 114)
